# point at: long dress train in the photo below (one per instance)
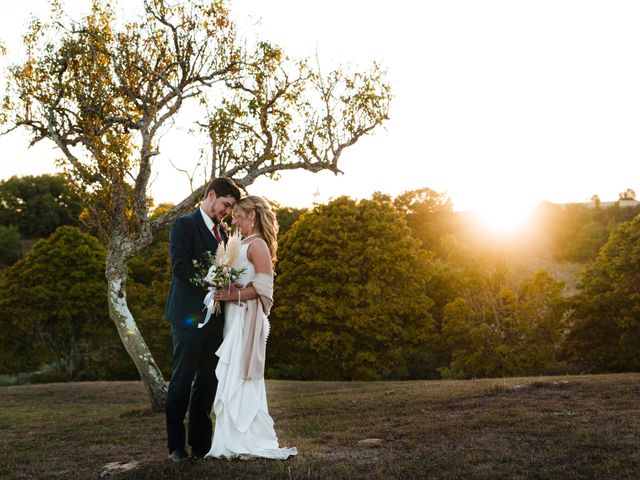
(243, 425)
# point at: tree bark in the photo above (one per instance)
(150, 374)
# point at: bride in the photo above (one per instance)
(244, 427)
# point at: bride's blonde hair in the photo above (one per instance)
(265, 222)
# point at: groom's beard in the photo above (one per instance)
(215, 218)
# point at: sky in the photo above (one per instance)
(499, 104)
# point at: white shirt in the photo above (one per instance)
(208, 222)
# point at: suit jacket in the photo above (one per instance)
(189, 241)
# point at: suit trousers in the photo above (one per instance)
(193, 385)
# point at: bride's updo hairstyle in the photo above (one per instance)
(266, 222)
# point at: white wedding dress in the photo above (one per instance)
(243, 428)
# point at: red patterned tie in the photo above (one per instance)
(216, 233)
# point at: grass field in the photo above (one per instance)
(579, 427)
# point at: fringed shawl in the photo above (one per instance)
(256, 327)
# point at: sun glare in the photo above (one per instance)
(504, 218)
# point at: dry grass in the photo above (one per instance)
(585, 427)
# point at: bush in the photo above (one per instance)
(53, 310)
(351, 298)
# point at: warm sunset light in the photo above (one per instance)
(504, 218)
(403, 238)
(564, 103)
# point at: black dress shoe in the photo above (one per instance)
(179, 455)
(197, 455)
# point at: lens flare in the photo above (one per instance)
(189, 321)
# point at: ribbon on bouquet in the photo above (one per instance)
(209, 305)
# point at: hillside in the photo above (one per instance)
(573, 427)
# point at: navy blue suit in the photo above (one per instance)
(193, 378)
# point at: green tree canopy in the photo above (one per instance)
(37, 205)
(53, 307)
(429, 215)
(606, 332)
(576, 232)
(351, 299)
(10, 245)
(504, 321)
(287, 216)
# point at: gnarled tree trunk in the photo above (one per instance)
(150, 374)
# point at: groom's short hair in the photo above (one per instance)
(223, 187)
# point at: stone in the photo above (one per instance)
(370, 442)
(117, 467)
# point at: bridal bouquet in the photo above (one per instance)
(217, 271)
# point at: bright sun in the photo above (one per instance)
(504, 218)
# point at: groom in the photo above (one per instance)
(194, 348)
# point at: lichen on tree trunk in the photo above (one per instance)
(150, 374)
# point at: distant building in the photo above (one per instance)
(628, 202)
(623, 203)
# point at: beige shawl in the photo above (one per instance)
(256, 327)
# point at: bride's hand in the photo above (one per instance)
(228, 294)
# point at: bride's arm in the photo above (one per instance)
(236, 293)
(258, 254)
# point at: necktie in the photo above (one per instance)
(216, 233)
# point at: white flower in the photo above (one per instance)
(211, 274)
